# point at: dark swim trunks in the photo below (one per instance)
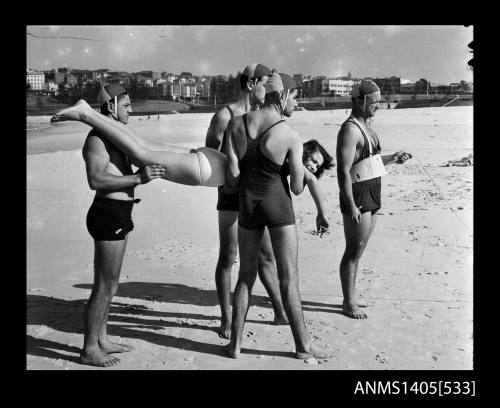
(227, 202)
(264, 192)
(366, 194)
(109, 219)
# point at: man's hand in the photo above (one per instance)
(148, 173)
(354, 214)
(400, 157)
(322, 225)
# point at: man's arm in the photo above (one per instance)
(398, 157)
(295, 163)
(96, 159)
(315, 190)
(215, 131)
(347, 141)
(232, 160)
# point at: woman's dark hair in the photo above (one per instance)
(104, 107)
(312, 146)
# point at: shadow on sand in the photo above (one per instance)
(177, 293)
(137, 321)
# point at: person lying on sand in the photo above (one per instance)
(463, 162)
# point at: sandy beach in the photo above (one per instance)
(416, 273)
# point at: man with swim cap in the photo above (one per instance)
(252, 93)
(109, 221)
(258, 145)
(359, 169)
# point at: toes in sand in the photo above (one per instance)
(313, 351)
(353, 312)
(224, 332)
(98, 359)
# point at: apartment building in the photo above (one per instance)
(36, 80)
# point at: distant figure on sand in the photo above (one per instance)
(359, 169)
(109, 221)
(258, 145)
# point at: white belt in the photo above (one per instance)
(368, 168)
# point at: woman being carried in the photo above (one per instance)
(203, 166)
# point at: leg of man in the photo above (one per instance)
(108, 259)
(285, 245)
(228, 238)
(269, 278)
(356, 236)
(249, 246)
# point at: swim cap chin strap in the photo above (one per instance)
(284, 104)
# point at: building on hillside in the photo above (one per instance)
(84, 75)
(388, 85)
(406, 86)
(35, 80)
(337, 86)
(174, 91)
(204, 89)
(52, 87)
(143, 76)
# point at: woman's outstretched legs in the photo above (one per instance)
(202, 166)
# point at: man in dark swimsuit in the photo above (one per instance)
(252, 81)
(257, 145)
(109, 221)
(359, 201)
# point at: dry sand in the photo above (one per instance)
(416, 273)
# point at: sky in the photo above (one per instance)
(436, 53)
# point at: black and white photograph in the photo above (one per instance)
(249, 197)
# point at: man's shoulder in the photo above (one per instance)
(349, 129)
(222, 116)
(96, 140)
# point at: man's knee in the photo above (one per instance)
(227, 257)
(266, 261)
(354, 250)
(108, 289)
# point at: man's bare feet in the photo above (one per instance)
(110, 347)
(224, 330)
(71, 113)
(313, 351)
(96, 357)
(232, 351)
(351, 310)
(280, 321)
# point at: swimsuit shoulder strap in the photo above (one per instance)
(367, 139)
(230, 111)
(269, 128)
(245, 122)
